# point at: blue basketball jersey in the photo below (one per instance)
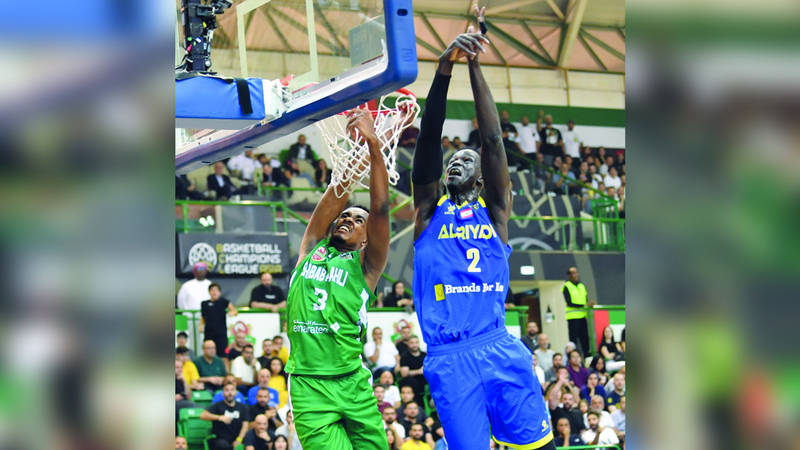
(460, 274)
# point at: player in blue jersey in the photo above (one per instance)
(480, 376)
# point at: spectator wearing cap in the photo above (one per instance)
(213, 322)
(195, 291)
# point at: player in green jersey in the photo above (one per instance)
(342, 256)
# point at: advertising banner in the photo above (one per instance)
(234, 254)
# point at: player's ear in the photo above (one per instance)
(479, 184)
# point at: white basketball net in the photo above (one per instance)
(350, 157)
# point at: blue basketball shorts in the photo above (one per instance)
(485, 386)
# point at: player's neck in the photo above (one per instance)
(459, 198)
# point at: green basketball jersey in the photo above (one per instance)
(327, 313)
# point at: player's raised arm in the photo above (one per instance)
(376, 252)
(426, 168)
(494, 165)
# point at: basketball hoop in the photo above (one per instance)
(350, 154)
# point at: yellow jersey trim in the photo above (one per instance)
(442, 200)
(531, 446)
(480, 200)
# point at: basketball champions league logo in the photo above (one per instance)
(202, 252)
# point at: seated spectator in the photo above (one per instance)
(182, 389)
(577, 373)
(415, 442)
(550, 374)
(213, 321)
(543, 353)
(244, 167)
(407, 396)
(592, 388)
(564, 437)
(379, 392)
(278, 350)
(278, 379)
(287, 431)
(182, 341)
(186, 190)
(190, 373)
(292, 169)
(408, 138)
(180, 443)
(411, 368)
(597, 404)
(531, 337)
(322, 175)
(614, 398)
(264, 376)
(597, 434)
(392, 395)
(301, 150)
(437, 431)
(390, 420)
(538, 370)
(474, 141)
(540, 173)
(569, 348)
(562, 392)
(457, 144)
(618, 417)
(396, 298)
(260, 437)
(608, 163)
(620, 160)
(236, 347)
(394, 440)
(210, 367)
(221, 184)
(266, 353)
(381, 353)
(512, 152)
(412, 415)
(229, 420)
(612, 180)
(272, 177)
(402, 343)
(267, 296)
(611, 351)
(583, 406)
(598, 366)
(245, 367)
(446, 145)
(239, 397)
(265, 405)
(560, 183)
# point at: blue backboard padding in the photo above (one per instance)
(401, 71)
(212, 98)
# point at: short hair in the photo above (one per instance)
(265, 340)
(413, 337)
(181, 350)
(561, 368)
(229, 384)
(412, 402)
(556, 354)
(246, 346)
(378, 385)
(416, 424)
(571, 121)
(183, 335)
(214, 285)
(406, 386)
(575, 351)
(359, 207)
(278, 337)
(593, 412)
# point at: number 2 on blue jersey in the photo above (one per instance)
(474, 255)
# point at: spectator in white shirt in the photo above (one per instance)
(528, 137)
(392, 395)
(544, 354)
(572, 142)
(597, 434)
(245, 164)
(612, 180)
(245, 367)
(618, 417)
(390, 419)
(195, 291)
(597, 404)
(538, 370)
(382, 353)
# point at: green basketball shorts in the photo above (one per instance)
(339, 413)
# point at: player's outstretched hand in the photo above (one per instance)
(361, 120)
(467, 44)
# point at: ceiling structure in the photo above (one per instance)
(587, 35)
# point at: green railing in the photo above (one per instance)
(590, 310)
(608, 231)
